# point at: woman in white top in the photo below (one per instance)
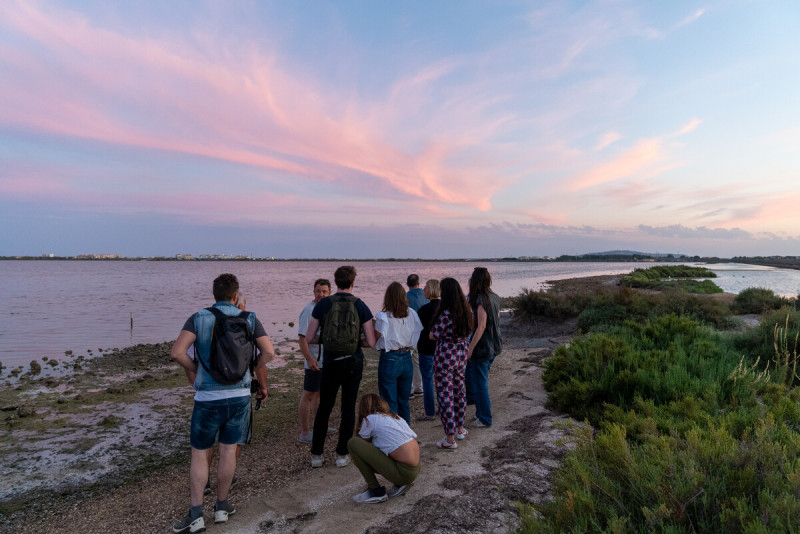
(385, 445)
(398, 328)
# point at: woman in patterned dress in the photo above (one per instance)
(450, 329)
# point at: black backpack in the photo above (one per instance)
(233, 347)
(341, 331)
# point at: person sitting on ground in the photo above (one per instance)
(385, 445)
(398, 327)
(451, 326)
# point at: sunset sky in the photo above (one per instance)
(399, 129)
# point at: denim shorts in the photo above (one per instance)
(228, 417)
(312, 380)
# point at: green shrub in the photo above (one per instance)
(757, 300)
(532, 304)
(672, 276)
(690, 435)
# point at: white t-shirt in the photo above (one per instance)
(302, 326)
(387, 433)
(397, 333)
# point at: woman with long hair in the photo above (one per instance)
(484, 344)
(398, 327)
(450, 328)
(383, 444)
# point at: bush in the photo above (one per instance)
(531, 305)
(689, 437)
(672, 276)
(757, 300)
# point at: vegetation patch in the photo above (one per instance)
(689, 435)
(671, 276)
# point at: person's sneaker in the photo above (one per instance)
(462, 435)
(317, 460)
(307, 437)
(332, 430)
(396, 491)
(477, 423)
(221, 514)
(444, 444)
(371, 496)
(342, 461)
(207, 489)
(187, 524)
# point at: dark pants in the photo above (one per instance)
(347, 375)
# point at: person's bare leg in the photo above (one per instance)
(198, 475)
(225, 470)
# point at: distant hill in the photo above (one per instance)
(635, 253)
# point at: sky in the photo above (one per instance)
(360, 129)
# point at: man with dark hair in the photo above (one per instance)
(309, 400)
(219, 409)
(338, 370)
(416, 299)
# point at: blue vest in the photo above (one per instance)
(203, 326)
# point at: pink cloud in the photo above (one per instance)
(639, 159)
(155, 93)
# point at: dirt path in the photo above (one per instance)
(472, 489)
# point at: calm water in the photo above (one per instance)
(53, 306)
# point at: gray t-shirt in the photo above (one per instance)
(302, 326)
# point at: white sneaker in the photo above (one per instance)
(462, 435)
(187, 524)
(477, 423)
(342, 461)
(445, 445)
(221, 514)
(396, 491)
(307, 437)
(317, 460)
(371, 496)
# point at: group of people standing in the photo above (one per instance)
(432, 341)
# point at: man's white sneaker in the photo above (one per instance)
(477, 423)
(221, 514)
(342, 461)
(317, 460)
(187, 524)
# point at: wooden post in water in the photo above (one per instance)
(131, 321)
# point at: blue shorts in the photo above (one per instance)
(312, 380)
(228, 417)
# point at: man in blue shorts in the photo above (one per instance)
(309, 400)
(218, 409)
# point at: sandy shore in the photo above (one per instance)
(144, 465)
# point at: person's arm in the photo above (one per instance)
(312, 362)
(179, 353)
(478, 331)
(312, 335)
(267, 353)
(369, 333)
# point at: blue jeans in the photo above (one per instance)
(477, 376)
(426, 370)
(395, 373)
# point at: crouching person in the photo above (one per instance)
(385, 445)
(221, 403)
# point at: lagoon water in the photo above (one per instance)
(54, 306)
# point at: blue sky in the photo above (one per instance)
(403, 129)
